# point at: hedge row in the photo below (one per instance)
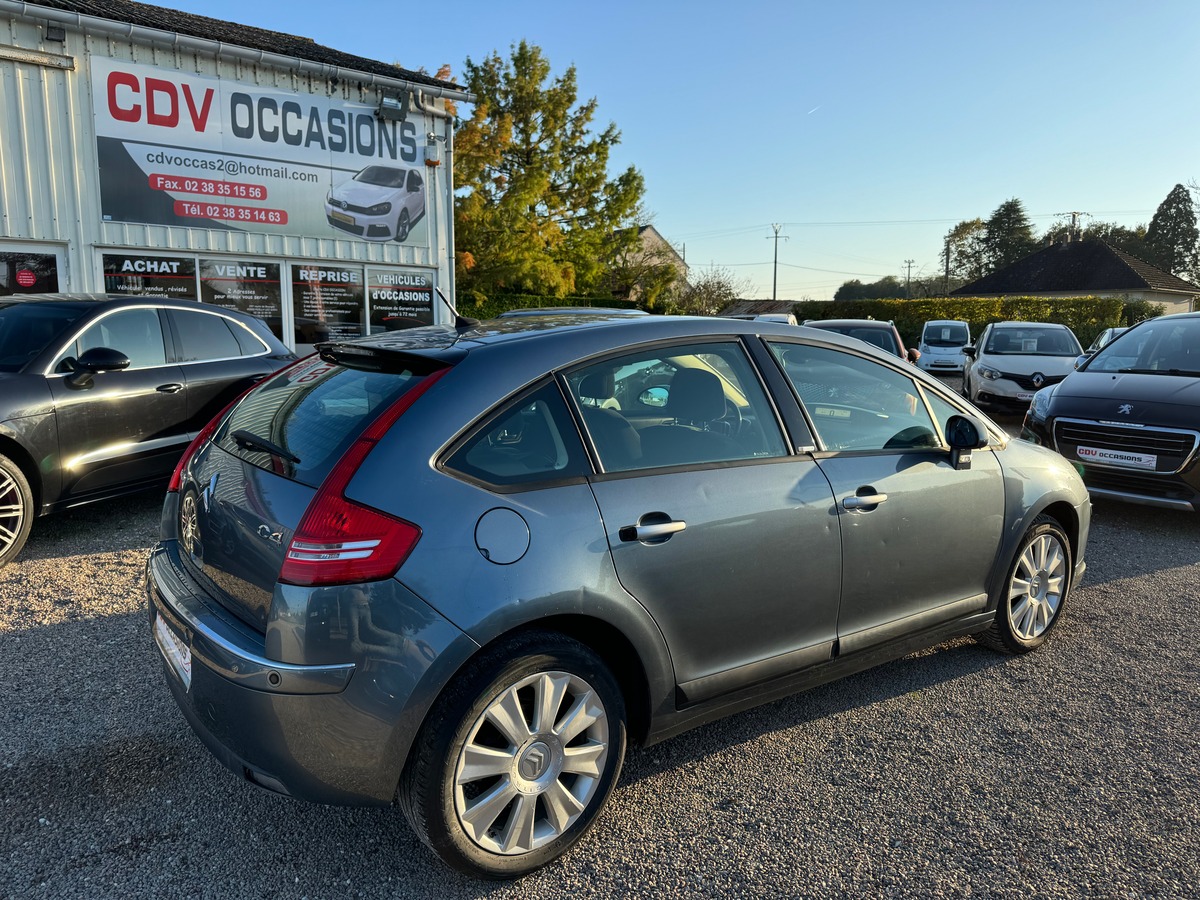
(1086, 316)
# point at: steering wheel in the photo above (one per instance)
(729, 422)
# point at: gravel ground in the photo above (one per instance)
(1071, 772)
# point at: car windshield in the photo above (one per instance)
(26, 328)
(1158, 347)
(1032, 341)
(384, 176)
(946, 334)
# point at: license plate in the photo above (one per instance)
(174, 650)
(1124, 458)
(342, 217)
(1025, 395)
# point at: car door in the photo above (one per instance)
(218, 358)
(124, 428)
(919, 537)
(722, 534)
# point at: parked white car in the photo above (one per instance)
(1014, 360)
(380, 203)
(942, 341)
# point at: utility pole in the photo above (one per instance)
(775, 270)
(946, 283)
(1076, 233)
(908, 279)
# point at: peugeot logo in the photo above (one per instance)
(1125, 409)
(1038, 379)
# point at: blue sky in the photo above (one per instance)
(866, 128)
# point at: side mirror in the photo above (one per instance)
(93, 361)
(655, 397)
(1080, 360)
(969, 351)
(913, 354)
(964, 434)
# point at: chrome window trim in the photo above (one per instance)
(50, 373)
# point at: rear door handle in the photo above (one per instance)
(656, 531)
(864, 501)
(172, 388)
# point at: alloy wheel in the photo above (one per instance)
(1036, 590)
(532, 763)
(13, 511)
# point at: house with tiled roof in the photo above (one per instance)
(1085, 268)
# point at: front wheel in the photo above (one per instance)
(403, 225)
(16, 510)
(1035, 592)
(517, 757)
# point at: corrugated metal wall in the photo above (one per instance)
(49, 182)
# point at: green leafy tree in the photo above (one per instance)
(966, 247)
(1131, 240)
(1008, 235)
(643, 271)
(1172, 238)
(887, 287)
(536, 210)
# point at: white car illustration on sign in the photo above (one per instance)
(380, 203)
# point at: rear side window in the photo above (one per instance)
(310, 414)
(204, 336)
(531, 439)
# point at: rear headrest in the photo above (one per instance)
(597, 385)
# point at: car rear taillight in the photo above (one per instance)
(339, 541)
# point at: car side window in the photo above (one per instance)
(942, 410)
(204, 336)
(135, 332)
(856, 403)
(532, 439)
(676, 406)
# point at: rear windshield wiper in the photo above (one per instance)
(249, 441)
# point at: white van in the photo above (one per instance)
(941, 345)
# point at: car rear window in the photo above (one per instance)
(312, 412)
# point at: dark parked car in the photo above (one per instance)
(1129, 417)
(881, 334)
(100, 396)
(460, 568)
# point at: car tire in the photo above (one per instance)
(16, 510)
(1034, 591)
(403, 225)
(532, 794)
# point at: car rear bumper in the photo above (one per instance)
(327, 733)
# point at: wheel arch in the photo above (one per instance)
(613, 647)
(15, 451)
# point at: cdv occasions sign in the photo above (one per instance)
(200, 151)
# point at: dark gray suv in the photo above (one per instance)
(459, 569)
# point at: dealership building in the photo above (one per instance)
(145, 150)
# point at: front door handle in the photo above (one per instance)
(655, 531)
(864, 501)
(172, 388)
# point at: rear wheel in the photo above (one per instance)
(517, 758)
(16, 509)
(1035, 591)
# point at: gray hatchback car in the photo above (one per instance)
(460, 568)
